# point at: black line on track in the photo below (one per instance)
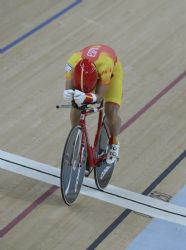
(24, 166)
(138, 202)
(147, 191)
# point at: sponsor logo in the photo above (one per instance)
(105, 171)
(92, 52)
(77, 178)
(68, 67)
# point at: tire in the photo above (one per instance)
(72, 173)
(103, 172)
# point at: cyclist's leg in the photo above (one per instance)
(114, 123)
(113, 120)
(113, 101)
(75, 116)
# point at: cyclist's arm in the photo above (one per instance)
(101, 91)
(69, 84)
(105, 70)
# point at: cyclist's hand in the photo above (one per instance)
(79, 97)
(68, 95)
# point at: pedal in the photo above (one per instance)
(87, 173)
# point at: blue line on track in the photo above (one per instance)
(147, 191)
(39, 27)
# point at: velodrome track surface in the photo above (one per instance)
(151, 45)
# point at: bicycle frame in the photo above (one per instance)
(91, 149)
(93, 160)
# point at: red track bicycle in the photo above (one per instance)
(79, 156)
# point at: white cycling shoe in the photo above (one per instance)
(113, 154)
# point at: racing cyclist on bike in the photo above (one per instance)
(94, 74)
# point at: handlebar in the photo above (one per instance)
(87, 108)
(63, 106)
(73, 104)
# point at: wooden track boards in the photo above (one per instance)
(149, 37)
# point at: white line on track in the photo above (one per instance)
(112, 194)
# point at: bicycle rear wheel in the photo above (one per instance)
(72, 167)
(103, 172)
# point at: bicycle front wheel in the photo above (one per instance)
(73, 166)
(103, 172)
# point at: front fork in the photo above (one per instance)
(91, 151)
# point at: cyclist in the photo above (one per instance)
(94, 74)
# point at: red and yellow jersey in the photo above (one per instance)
(102, 56)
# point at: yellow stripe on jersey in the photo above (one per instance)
(105, 66)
